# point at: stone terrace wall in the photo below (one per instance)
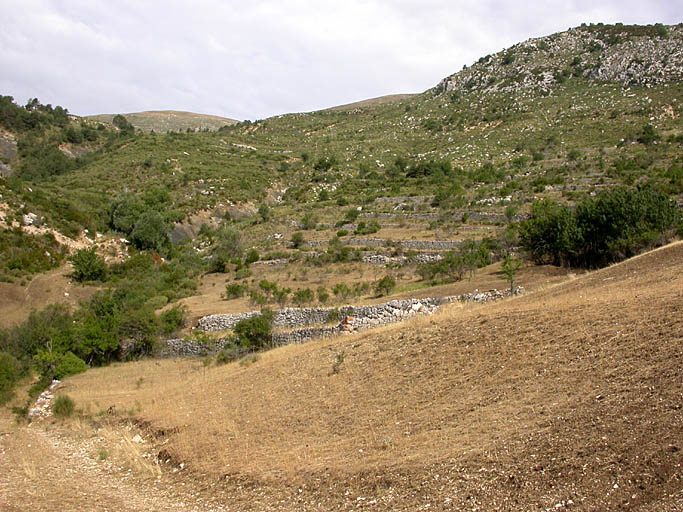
(353, 318)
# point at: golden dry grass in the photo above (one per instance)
(561, 393)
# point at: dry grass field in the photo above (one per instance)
(53, 287)
(567, 397)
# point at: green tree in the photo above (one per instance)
(385, 285)
(510, 267)
(150, 232)
(303, 296)
(125, 128)
(88, 266)
(265, 212)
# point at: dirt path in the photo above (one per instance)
(43, 470)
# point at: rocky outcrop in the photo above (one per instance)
(624, 54)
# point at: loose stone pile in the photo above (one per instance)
(43, 406)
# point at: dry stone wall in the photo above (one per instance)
(353, 319)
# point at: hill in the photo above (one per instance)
(162, 121)
(566, 396)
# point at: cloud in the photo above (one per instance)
(264, 57)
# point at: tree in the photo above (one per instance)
(227, 246)
(649, 135)
(125, 128)
(150, 232)
(309, 221)
(385, 285)
(303, 296)
(510, 266)
(88, 266)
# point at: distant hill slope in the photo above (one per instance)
(169, 120)
(380, 100)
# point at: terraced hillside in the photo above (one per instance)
(568, 397)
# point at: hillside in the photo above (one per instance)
(162, 121)
(568, 396)
(532, 167)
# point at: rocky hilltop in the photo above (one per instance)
(631, 55)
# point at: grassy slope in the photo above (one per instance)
(572, 392)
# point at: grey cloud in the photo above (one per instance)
(265, 57)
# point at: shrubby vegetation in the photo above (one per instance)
(22, 254)
(459, 262)
(611, 226)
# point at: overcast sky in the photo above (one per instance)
(251, 59)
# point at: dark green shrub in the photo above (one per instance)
(265, 212)
(649, 135)
(173, 319)
(63, 406)
(10, 372)
(297, 240)
(255, 332)
(611, 226)
(323, 295)
(303, 296)
(367, 229)
(69, 364)
(150, 232)
(309, 221)
(88, 266)
(251, 256)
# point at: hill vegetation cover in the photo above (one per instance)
(562, 150)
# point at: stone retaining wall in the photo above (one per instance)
(430, 245)
(353, 319)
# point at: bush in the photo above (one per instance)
(303, 296)
(173, 319)
(10, 372)
(323, 295)
(385, 285)
(297, 240)
(367, 229)
(88, 266)
(234, 291)
(63, 406)
(69, 364)
(251, 256)
(256, 331)
(614, 225)
(150, 232)
(309, 221)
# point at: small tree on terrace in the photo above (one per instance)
(385, 285)
(510, 266)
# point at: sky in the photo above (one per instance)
(252, 59)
